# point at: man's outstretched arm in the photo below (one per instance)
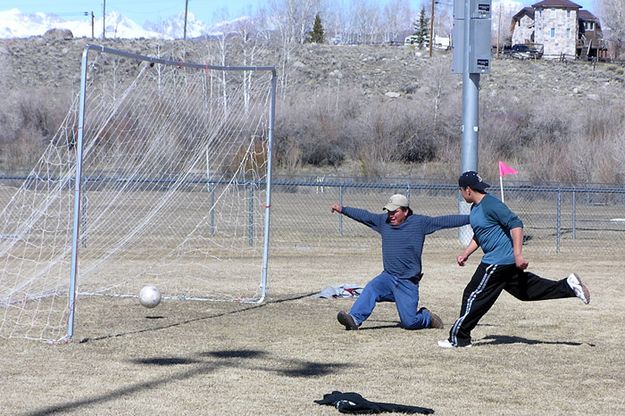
(446, 221)
(362, 216)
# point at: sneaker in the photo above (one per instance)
(580, 289)
(436, 321)
(347, 321)
(447, 344)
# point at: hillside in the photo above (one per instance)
(523, 103)
(55, 63)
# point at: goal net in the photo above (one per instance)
(158, 175)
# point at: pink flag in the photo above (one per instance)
(506, 170)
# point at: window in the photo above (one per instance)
(568, 33)
(552, 32)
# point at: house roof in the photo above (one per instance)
(556, 4)
(586, 16)
(525, 11)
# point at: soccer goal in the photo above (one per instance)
(160, 174)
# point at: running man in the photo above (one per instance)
(499, 232)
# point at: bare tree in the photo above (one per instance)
(335, 25)
(251, 41)
(364, 23)
(613, 16)
(296, 17)
(396, 19)
(502, 18)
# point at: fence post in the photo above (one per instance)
(558, 219)
(85, 209)
(341, 216)
(574, 215)
(250, 215)
(213, 225)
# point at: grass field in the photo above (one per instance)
(223, 358)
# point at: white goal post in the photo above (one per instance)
(160, 174)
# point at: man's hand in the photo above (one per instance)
(336, 208)
(462, 259)
(520, 262)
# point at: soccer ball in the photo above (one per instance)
(150, 296)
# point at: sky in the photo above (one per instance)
(207, 11)
(138, 10)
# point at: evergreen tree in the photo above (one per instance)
(422, 30)
(317, 34)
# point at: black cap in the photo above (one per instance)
(472, 180)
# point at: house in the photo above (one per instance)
(561, 28)
(523, 26)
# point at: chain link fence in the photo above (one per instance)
(557, 219)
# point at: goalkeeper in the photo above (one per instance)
(403, 234)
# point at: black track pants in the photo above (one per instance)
(485, 287)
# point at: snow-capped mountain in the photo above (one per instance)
(229, 26)
(119, 26)
(15, 24)
(173, 27)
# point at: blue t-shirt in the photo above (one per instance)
(402, 245)
(492, 221)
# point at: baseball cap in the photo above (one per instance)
(396, 201)
(472, 180)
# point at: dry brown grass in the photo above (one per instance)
(187, 358)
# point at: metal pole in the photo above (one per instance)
(470, 101)
(77, 197)
(186, 10)
(103, 19)
(272, 121)
(84, 215)
(250, 213)
(340, 216)
(574, 215)
(470, 112)
(498, 30)
(558, 219)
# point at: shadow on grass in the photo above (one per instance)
(507, 339)
(164, 361)
(370, 327)
(234, 354)
(203, 363)
(292, 368)
(188, 321)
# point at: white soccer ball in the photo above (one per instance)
(150, 296)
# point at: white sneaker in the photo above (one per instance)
(580, 289)
(447, 344)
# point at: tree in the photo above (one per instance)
(422, 29)
(396, 20)
(613, 15)
(317, 34)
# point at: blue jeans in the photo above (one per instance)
(387, 288)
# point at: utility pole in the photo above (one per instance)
(432, 27)
(186, 10)
(103, 19)
(471, 56)
(498, 29)
(92, 22)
